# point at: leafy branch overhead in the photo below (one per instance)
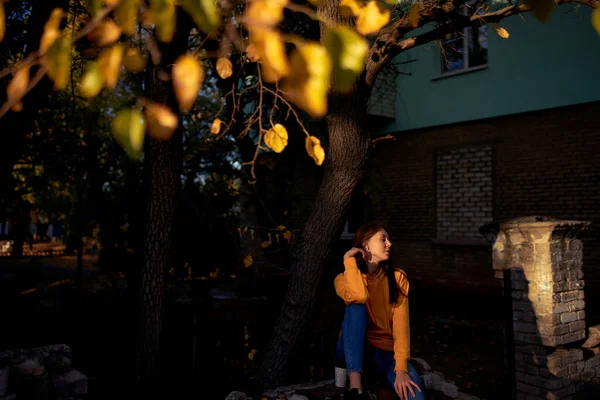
(297, 72)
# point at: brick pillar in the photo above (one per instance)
(541, 260)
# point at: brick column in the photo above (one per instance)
(541, 260)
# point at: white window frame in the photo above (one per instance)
(466, 39)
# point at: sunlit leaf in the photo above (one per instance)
(252, 353)
(17, 87)
(596, 18)
(503, 33)
(106, 33)
(248, 261)
(2, 21)
(126, 15)
(133, 60)
(541, 9)
(188, 75)
(215, 128)
(414, 15)
(287, 235)
(93, 6)
(162, 122)
(110, 64)
(308, 83)
(224, 67)
(276, 138)
(265, 244)
(163, 12)
(265, 13)
(271, 50)
(92, 80)
(372, 17)
(252, 52)
(315, 150)
(205, 14)
(129, 128)
(51, 29)
(58, 62)
(281, 228)
(348, 50)
(349, 8)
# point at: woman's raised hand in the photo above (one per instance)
(353, 252)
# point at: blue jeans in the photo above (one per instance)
(350, 349)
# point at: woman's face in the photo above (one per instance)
(379, 246)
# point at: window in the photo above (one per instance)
(464, 50)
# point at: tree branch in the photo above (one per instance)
(391, 40)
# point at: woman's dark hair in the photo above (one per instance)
(362, 235)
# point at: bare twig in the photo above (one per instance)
(383, 139)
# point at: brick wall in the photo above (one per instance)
(463, 192)
(543, 163)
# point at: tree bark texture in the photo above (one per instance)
(161, 180)
(345, 167)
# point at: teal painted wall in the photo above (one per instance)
(540, 66)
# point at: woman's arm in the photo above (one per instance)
(350, 285)
(401, 325)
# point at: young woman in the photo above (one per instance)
(376, 297)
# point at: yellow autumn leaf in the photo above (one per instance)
(188, 75)
(371, 18)
(205, 14)
(414, 15)
(252, 52)
(110, 64)
(287, 235)
(106, 33)
(251, 354)
(271, 50)
(126, 15)
(263, 14)
(248, 261)
(129, 127)
(133, 60)
(224, 67)
(596, 18)
(281, 228)
(17, 87)
(92, 80)
(349, 8)
(162, 122)
(51, 29)
(163, 12)
(265, 244)
(215, 127)
(2, 21)
(315, 150)
(348, 50)
(93, 6)
(503, 33)
(58, 62)
(276, 138)
(308, 82)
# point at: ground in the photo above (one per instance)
(205, 343)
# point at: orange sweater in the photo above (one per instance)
(388, 327)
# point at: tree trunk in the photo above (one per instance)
(345, 167)
(161, 180)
